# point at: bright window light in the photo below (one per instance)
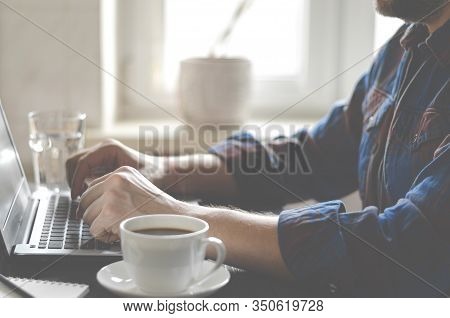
(385, 28)
(269, 34)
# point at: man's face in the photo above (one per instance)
(409, 10)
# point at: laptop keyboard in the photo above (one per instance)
(62, 230)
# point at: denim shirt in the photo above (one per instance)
(390, 141)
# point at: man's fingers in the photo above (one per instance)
(93, 211)
(108, 237)
(97, 229)
(93, 182)
(89, 164)
(82, 171)
(71, 164)
(89, 197)
(105, 229)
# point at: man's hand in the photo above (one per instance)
(251, 240)
(102, 159)
(120, 195)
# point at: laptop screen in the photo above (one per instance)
(10, 172)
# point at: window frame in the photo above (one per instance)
(328, 25)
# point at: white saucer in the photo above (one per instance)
(114, 277)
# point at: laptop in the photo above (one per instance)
(41, 223)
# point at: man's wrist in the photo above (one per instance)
(169, 179)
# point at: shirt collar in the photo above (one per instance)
(438, 42)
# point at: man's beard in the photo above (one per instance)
(410, 10)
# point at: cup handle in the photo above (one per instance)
(220, 258)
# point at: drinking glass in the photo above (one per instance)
(54, 136)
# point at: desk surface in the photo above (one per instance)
(242, 283)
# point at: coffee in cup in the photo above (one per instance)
(164, 254)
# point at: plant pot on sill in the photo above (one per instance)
(214, 91)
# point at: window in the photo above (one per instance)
(269, 34)
(384, 29)
(154, 36)
(295, 48)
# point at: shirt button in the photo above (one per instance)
(416, 136)
(333, 288)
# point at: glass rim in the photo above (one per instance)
(69, 114)
(216, 60)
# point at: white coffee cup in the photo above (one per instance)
(167, 264)
(215, 90)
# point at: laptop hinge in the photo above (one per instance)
(26, 227)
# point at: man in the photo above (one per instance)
(391, 141)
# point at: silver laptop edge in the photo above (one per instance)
(21, 224)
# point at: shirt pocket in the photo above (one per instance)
(433, 127)
(375, 109)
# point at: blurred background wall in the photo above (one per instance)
(38, 72)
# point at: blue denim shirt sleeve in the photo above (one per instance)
(300, 163)
(403, 250)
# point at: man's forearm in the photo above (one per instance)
(197, 175)
(251, 239)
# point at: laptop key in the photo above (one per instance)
(55, 245)
(71, 246)
(72, 214)
(73, 233)
(58, 230)
(74, 242)
(57, 234)
(88, 245)
(72, 239)
(102, 246)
